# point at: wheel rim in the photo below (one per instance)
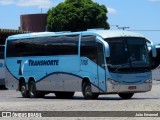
(23, 89)
(32, 90)
(88, 91)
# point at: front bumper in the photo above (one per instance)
(132, 88)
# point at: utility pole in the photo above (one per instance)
(123, 28)
(41, 10)
(113, 26)
(117, 26)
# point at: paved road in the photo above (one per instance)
(12, 101)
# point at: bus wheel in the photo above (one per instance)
(126, 95)
(24, 91)
(87, 92)
(32, 90)
(66, 95)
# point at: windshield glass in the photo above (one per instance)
(129, 54)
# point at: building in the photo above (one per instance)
(4, 33)
(28, 23)
(33, 22)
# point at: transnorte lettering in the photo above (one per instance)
(43, 62)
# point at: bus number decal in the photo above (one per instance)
(84, 62)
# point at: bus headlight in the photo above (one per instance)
(113, 81)
(148, 81)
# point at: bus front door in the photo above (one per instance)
(101, 68)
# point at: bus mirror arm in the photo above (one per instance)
(153, 48)
(154, 52)
(106, 46)
(107, 50)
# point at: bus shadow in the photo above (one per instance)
(74, 98)
(116, 98)
(100, 98)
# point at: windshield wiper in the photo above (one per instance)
(121, 66)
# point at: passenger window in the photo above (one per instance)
(89, 48)
(44, 46)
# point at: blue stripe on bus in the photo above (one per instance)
(57, 73)
(97, 87)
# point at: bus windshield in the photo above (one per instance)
(128, 54)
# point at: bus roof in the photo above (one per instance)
(113, 33)
(157, 46)
(101, 33)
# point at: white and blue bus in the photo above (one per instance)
(92, 62)
(156, 64)
(2, 67)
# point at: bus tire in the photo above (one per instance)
(87, 92)
(65, 95)
(24, 91)
(126, 95)
(32, 90)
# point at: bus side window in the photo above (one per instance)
(100, 55)
(89, 48)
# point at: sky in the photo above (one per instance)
(139, 15)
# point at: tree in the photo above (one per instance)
(77, 15)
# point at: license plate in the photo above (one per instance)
(132, 87)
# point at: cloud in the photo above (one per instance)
(6, 2)
(154, 0)
(111, 10)
(39, 3)
(27, 3)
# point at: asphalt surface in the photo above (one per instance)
(11, 100)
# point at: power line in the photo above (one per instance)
(124, 28)
(145, 30)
